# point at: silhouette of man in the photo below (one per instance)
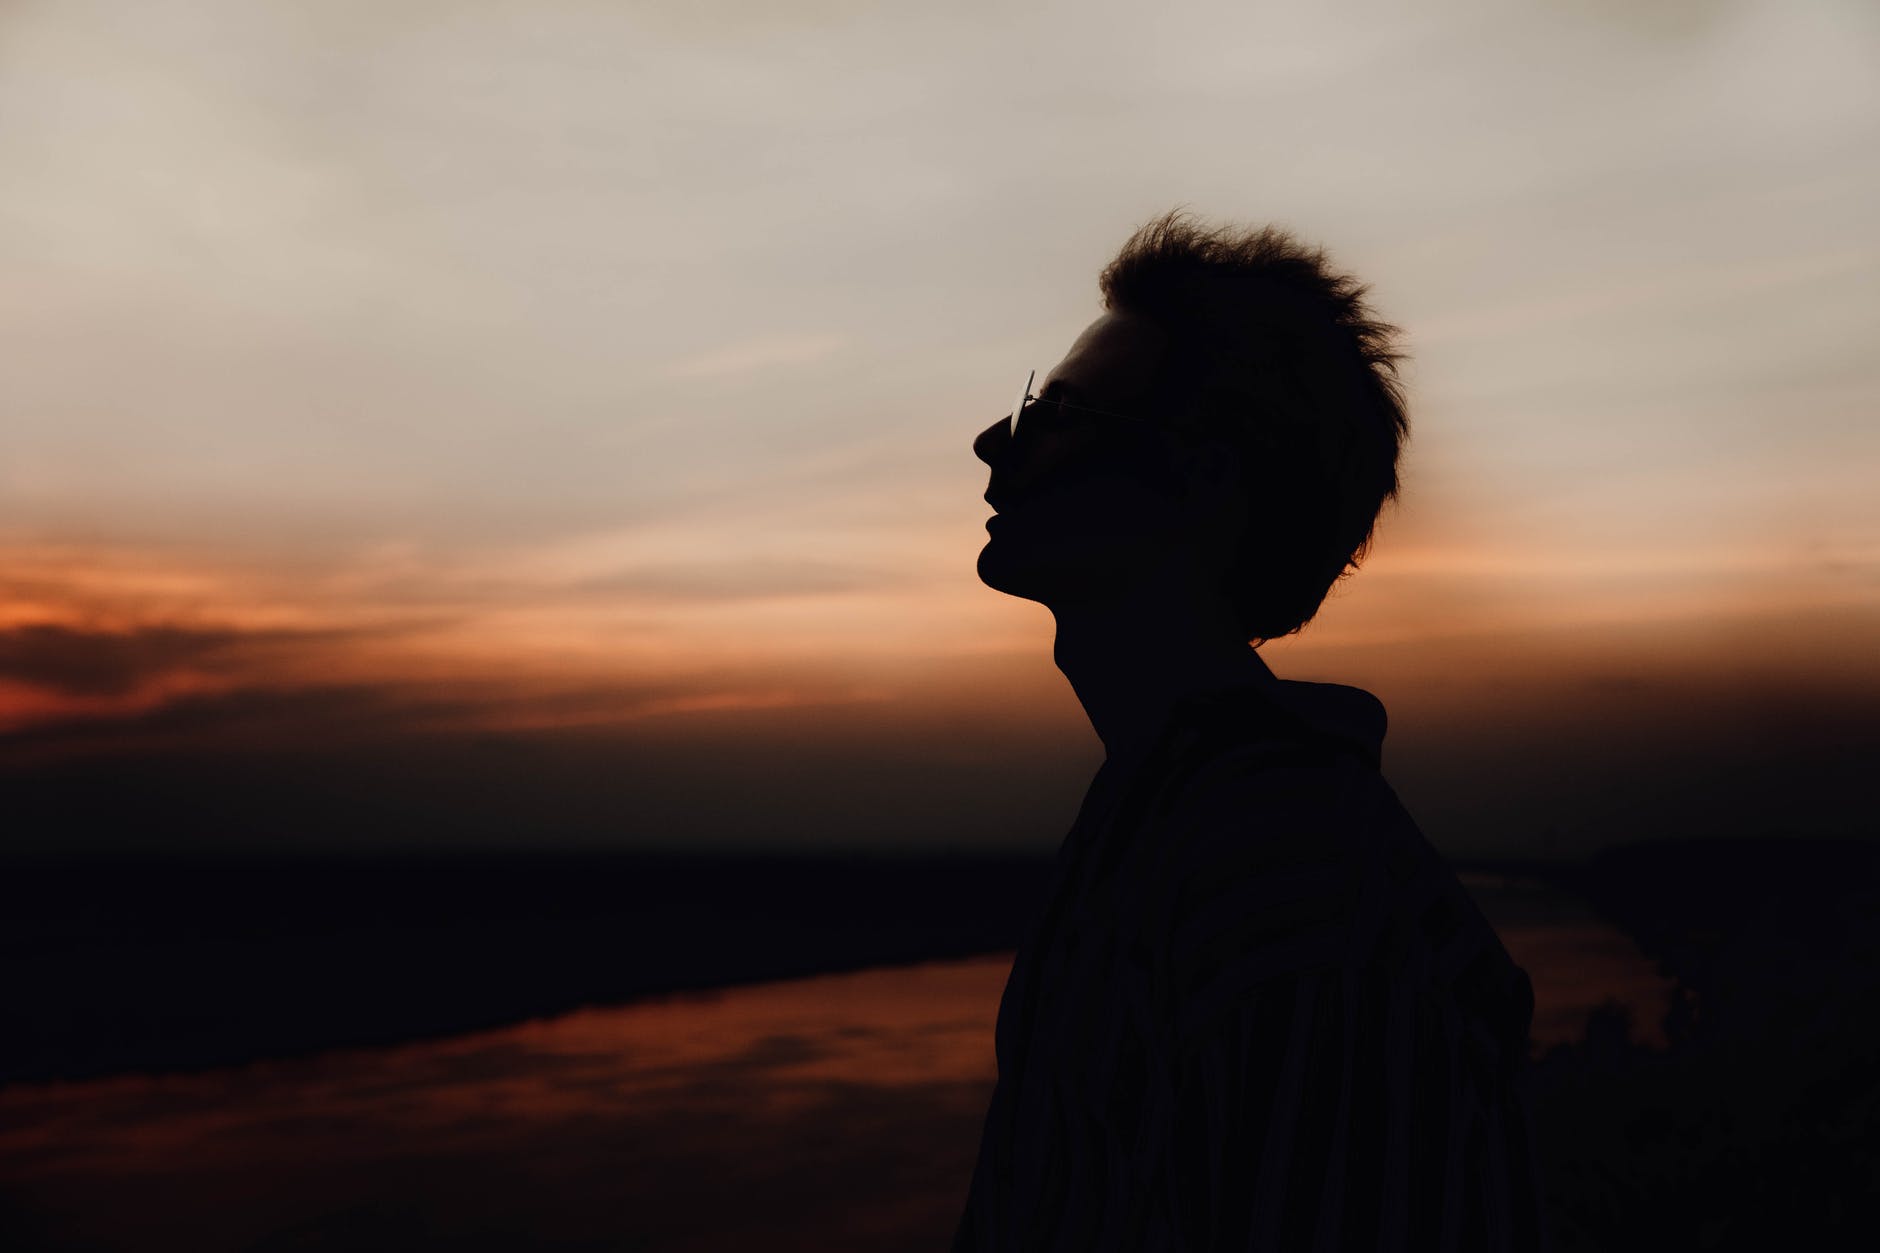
(1259, 1011)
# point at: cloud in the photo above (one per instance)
(294, 714)
(87, 663)
(103, 663)
(62, 683)
(1620, 684)
(242, 717)
(720, 581)
(751, 356)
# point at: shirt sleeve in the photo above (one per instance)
(1260, 1130)
(1269, 1026)
(1326, 1095)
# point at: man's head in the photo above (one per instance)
(1273, 426)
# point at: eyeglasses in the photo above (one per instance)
(1265, 437)
(1027, 400)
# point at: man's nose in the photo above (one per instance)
(992, 441)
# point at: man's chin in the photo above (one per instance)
(1000, 573)
(1002, 570)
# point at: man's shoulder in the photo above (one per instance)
(1256, 823)
(1283, 795)
(1266, 850)
(1279, 849)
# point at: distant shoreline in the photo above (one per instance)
(189, 964)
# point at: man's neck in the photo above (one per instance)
(1131, 663)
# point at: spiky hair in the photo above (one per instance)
(1278, 352)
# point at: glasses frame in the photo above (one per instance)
(1268, 440)
(1025, 398)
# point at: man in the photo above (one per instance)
(1259, 1011)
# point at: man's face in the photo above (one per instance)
(1081, 516)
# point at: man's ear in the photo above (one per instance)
(1215, 479)
(1215, 501)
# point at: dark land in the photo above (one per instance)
(146, 965)
(1758, 1127)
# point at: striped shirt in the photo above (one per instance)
(1258, 1012)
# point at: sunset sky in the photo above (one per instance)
(452, 423)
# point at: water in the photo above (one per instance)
(840, 1111)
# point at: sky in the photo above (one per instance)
(548, 423)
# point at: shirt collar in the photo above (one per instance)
(1336, 710)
